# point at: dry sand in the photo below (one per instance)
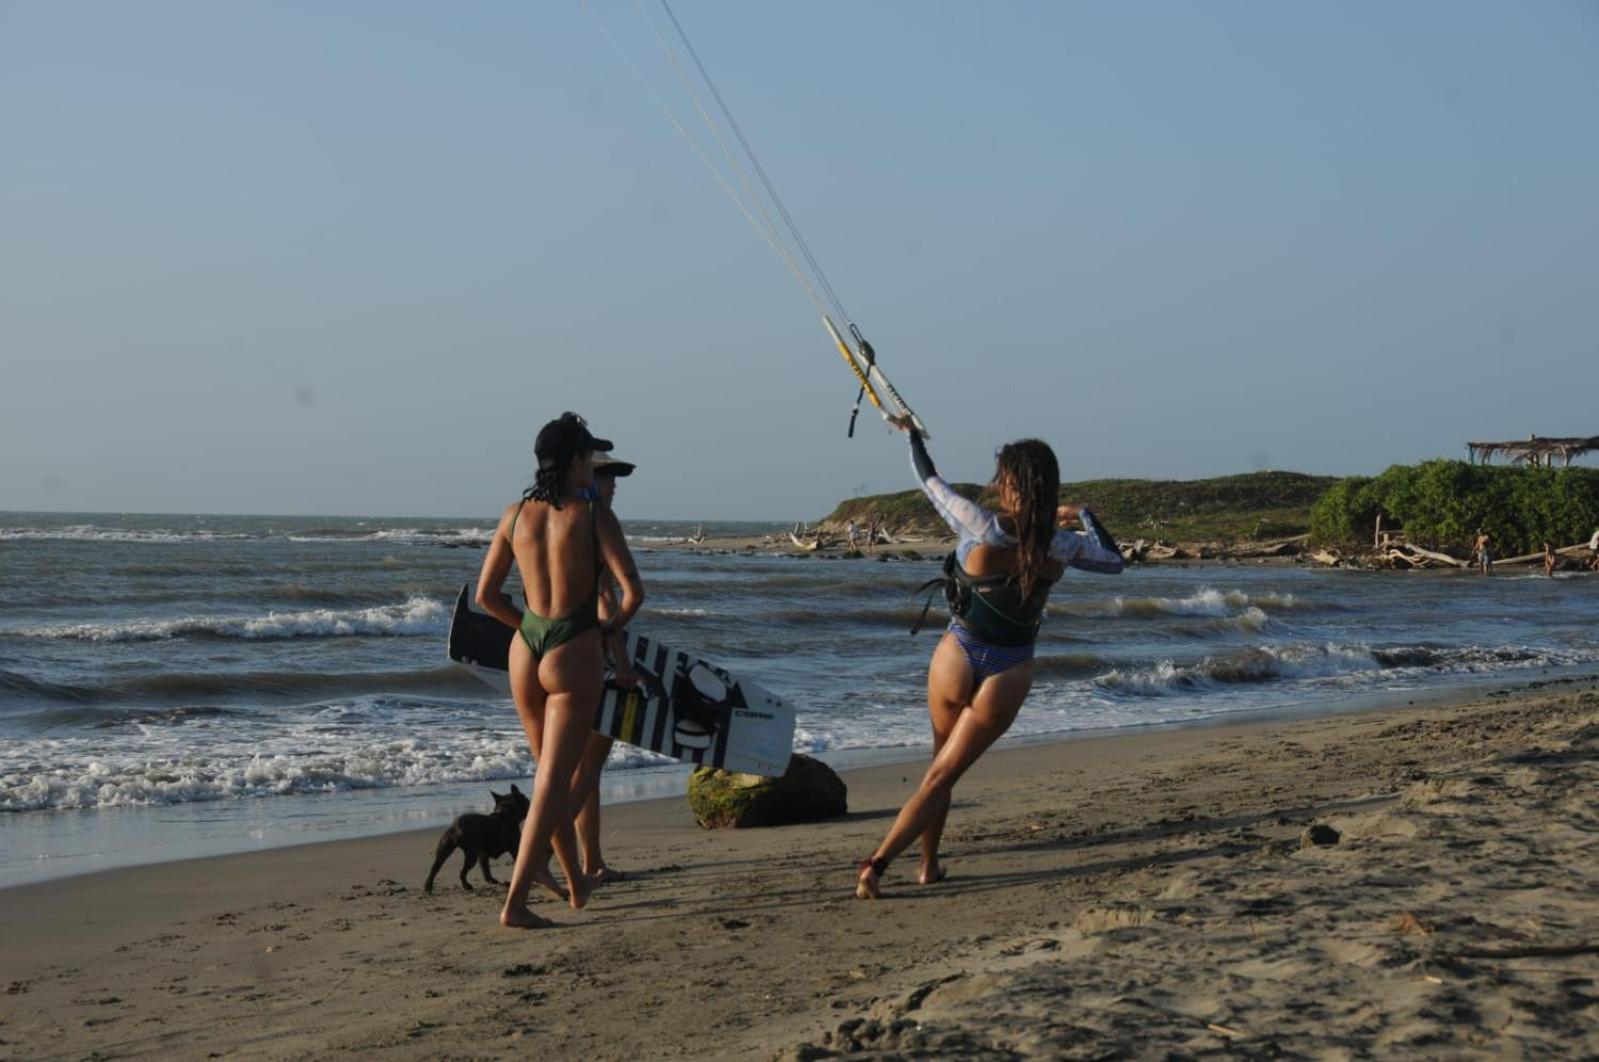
(1142, 895)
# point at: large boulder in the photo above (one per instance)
(808, 791)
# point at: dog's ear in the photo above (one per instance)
(499, 796)
(515, 790)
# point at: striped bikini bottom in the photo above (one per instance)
(987, 659)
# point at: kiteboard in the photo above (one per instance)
(682, 707)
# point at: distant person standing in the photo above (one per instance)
(1483, 548)
(871, 535)
(851, 534)
(1593, 548)
(1551, 560)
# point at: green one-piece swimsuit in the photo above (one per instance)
(542, 635)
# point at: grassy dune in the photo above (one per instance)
(1256, 505)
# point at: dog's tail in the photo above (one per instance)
(447, 846)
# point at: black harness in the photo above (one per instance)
(990, 606)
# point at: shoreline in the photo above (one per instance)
(257, 830)
(1120, 894)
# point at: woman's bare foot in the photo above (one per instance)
(604, 876)
(519, 917)
(931, 874)
(866, 883)
(579, 886)
(546, 881)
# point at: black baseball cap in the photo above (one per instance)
(561, 440)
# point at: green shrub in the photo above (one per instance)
(1442, 503)
(1341, 516)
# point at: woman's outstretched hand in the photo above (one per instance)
(1066, 514)
(902, 421)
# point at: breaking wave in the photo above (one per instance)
(417, 616)
(1259, 664)
(87, 780)
(92, 533)
(254, 686)
(1202, 602)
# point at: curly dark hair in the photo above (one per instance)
(549, 477)
(548, 486)
(1029, 465)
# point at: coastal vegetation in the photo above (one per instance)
(1442, 503)
(1253, 506)
(1439, 504)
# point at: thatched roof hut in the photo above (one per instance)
(1536, 450)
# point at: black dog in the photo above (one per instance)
(482, 837)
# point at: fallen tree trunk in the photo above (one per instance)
(1289, 548)
(1533, 558)
(1432, 555)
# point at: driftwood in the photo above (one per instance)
(1402, 555)
(799, 543)
(1432, 555)
(1534, 558)
(1288, 547)
(1409, 555)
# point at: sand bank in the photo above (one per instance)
(1131, 895)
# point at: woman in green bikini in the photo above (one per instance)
(560, 542)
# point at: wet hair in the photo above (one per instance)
(558, 446)
(1029, 466)
(548, 485)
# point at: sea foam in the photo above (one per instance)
(417, 616)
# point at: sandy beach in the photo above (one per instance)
(1130, 895)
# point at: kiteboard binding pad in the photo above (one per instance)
(682, 706)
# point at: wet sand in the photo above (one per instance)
(1135, 895)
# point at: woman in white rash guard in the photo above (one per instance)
(997, 583)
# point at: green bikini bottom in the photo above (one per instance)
(543, 635)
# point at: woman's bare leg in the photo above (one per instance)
(586, 797)
(949, 688)
(577, 670)
(586, 781)
(571, 676)
(990, 714)
(529, 696)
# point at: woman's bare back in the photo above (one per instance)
(985, 561)
(557, 555)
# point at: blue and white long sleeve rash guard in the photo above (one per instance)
(1092, 550)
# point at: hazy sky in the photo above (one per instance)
(347, 257)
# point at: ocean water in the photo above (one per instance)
(187, 685)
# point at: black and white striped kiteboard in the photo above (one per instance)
(682, 707)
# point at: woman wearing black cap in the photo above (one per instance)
(560, 547)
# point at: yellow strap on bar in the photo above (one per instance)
(850, 360)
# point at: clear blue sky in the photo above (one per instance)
(302, 257)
